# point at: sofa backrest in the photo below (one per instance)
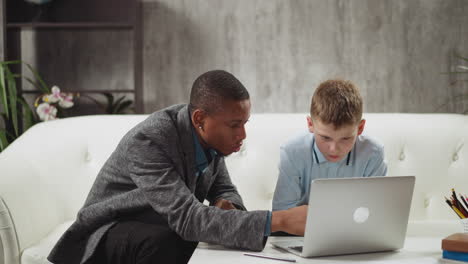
(434, 147)
(46, 174)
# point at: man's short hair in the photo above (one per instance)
(337, 102)
(211, 89)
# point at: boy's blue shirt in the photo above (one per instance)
(298, 167)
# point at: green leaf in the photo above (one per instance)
(5, 118)
(35, 84)
(3, 140)
(11, 62)
(460, 56)
(3, 91)
(116, 104)
(45, 88)
(29, 117)
(110, 102)
(13, 100)
(102, 106)
(109, 97)
(123, 106)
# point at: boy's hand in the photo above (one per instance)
(291, 221)
(224, 204)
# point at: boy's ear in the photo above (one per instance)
(310, 124)
(361, 126)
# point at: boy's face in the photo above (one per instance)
(224, 130)
(334, 143)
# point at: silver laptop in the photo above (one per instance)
(354, 215)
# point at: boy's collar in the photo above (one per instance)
(319, 155)
(322, 159)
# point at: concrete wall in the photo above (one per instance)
(395, 51)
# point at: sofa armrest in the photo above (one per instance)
(9, 247)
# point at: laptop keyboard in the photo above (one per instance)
(298, 248)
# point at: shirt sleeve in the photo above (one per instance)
(268, 225)
(376, 165)
(154, 173)
(223, 188)
(288, 187)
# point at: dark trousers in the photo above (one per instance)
(136, 242)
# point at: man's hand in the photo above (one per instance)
(224, 204)
(291, 221)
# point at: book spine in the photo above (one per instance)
(460, 256)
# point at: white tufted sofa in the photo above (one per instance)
(45, 175)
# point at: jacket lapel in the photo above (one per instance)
(206, 179)
(184, 128)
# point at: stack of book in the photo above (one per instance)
(455, 247)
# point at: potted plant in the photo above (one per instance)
(16, 114)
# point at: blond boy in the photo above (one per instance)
(334, 146)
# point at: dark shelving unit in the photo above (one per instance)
(71, 25)
(83, 91)
(89, 15)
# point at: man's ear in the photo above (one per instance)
(310, 124)
(198, 118)
(361, 126)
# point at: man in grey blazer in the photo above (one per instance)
(146, 204)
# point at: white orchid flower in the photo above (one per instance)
(67, 101)
(54, 97)
(461, 67)
(46, 112)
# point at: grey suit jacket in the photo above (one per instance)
(153, 170)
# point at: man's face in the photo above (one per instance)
(334, 143)
(224, 130)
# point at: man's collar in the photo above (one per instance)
(200, 152)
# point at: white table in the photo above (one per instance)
(416, 250)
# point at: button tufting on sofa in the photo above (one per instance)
(455, 155)
(402, 156)
(427, 202)
(88, 156)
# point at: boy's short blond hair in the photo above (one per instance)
(337, 102)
